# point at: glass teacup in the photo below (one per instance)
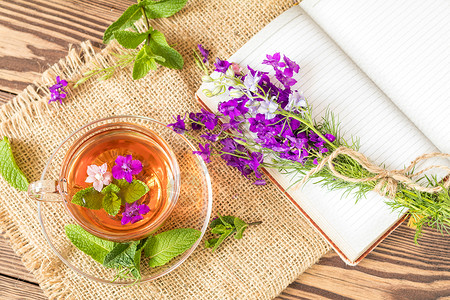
(99, 143)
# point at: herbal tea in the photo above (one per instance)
(122, 182)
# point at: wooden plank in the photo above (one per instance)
(10, 263)
(396, 269)
(13, 289)
(43, 31)
(5, 97)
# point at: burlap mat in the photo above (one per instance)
(258, 267)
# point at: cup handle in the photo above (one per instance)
(47, 190)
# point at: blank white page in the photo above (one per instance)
(404, 47)
(330, 79)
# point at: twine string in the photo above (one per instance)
(387, 180)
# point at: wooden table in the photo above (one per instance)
(42, 31)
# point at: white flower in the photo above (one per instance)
(99, 176)
(251, 82)
(296, 100)
(268, 108)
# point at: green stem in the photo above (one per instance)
(147, 24)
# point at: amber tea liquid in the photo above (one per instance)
(159, 172)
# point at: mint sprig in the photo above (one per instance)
(9, 169)
(224, 226)
(126, 257)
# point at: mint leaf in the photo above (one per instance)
(158, 37)
(211, 242)
(88, 198)
(9, 169)
(222, 220)
(93, 246)
(121, 255)
(222, 238)
(143, 63)
(163, 8)
(220, 229)
(129, 39)
(111, 203)
(172, 59)
(110, 188)
(131, 192)
(131, 15)
(162, 247)
(240, 227)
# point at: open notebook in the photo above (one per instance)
(383, 68)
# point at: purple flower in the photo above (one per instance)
(57, 92)
(195, 118)
(211, 137)
(330, 137)
(126, 167)
(204, 152)
(233, 108)
(233, 124)
(273, 60)
(259, 182)
(291, 64)
(133, 212)
(179, 126)
(286, 81)
(208, 119)
(254, 163)
(204, 53)
(221, 65)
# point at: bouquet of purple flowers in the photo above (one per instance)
(266, 123)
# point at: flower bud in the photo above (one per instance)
(207, 78)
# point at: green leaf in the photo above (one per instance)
(158, 37)
(222, 220)
(129, 39)
(126, 20)
(173, 59)
(220, 229)
(222, 238)
(110, 188)
(93, 246)
(88, 198)
(136, 269)
(163, 8)
(131, 192)
(143, 63)
(240, 227)
(211, 243)
(111, 203)
(9, 169)
(121, 255)
(162, 247)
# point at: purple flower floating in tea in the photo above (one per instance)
(126, 167)
(133, 212)
(57, 90)
(98, 176)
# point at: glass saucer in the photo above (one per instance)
(192, 210)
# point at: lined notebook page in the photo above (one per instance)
(404, 47)
(330, 79)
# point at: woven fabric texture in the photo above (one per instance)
(260, 266)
